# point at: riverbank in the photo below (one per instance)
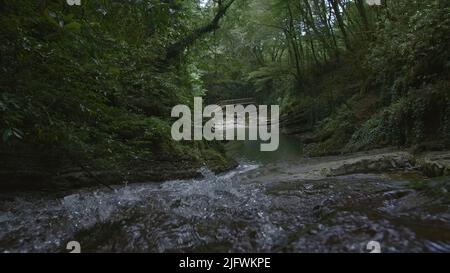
(283, 166)
(53, 172)
(380, 161)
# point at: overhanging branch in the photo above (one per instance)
(179, 46)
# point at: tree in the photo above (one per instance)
(175, 49)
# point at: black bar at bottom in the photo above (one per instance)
(227, 262)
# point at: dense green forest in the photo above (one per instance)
(92, 86)
(347, 75)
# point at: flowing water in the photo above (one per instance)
(250, 209)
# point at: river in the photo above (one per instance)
(262, 206)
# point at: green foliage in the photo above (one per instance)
(88, 81)
(446, 120)
(333, 133)
(411, 120)
(412, 48)
(265, 78)
(93, 81)
(406, 64)
(381, 129)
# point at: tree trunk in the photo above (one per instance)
(340, 21)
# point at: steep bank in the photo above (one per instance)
(390, 90)
(348, 76)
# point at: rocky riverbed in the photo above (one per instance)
(328, 204)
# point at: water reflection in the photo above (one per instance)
(289, 150)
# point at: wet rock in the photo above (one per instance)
(75, 178)
(372, 164)
(435, 164)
